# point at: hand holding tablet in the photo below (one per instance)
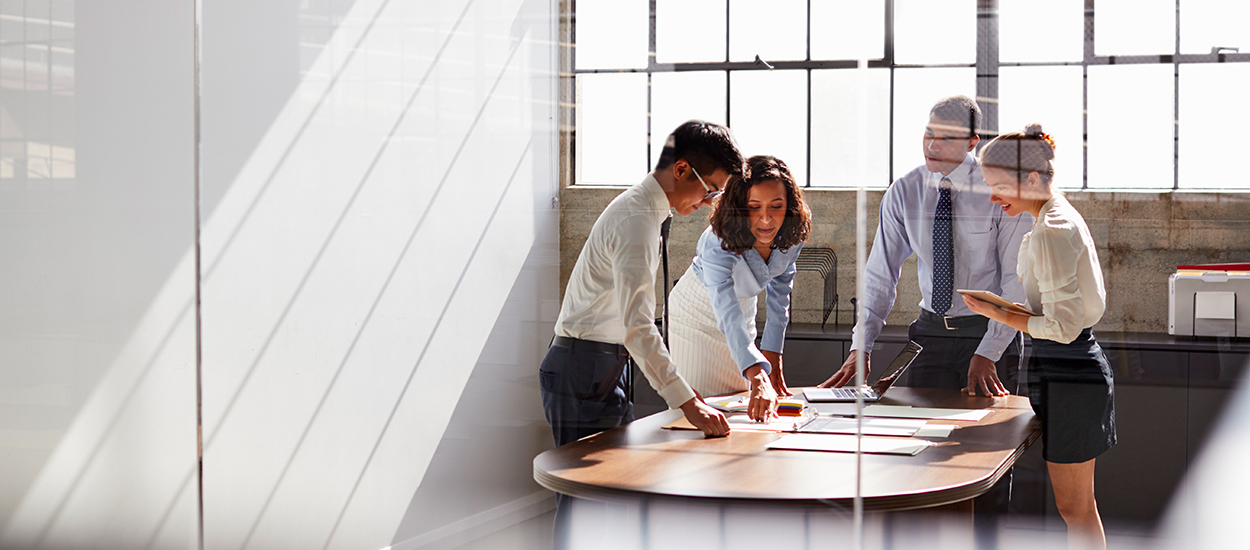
(990, 297)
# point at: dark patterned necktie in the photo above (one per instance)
(943, 251)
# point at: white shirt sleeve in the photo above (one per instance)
(634, 250)
(1055, 252)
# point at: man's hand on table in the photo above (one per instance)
(846, 374)
(983, 377)
(762, 404)
(776, 377)
(708, 420)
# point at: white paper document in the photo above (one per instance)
(935, 431)
(903, 411)
(870, 426)
(847, 444)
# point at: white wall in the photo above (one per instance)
(379, 266)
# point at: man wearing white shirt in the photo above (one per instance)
(941, 211)
(609, 304)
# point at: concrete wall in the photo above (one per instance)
(1141, 238)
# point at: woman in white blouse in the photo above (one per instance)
(757, 230)
(1070, 383)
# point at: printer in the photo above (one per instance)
(1209, 300)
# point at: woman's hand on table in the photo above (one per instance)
(777, 378)
(762, 404)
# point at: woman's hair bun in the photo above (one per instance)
(1034, 130)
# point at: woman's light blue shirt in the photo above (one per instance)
(729, 277)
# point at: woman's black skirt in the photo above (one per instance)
(1072, 391)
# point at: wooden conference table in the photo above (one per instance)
(642, 461)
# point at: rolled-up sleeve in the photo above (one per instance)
(717, 277)
(777, 303)
(635, 257)
(1054, 263)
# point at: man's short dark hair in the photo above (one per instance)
(706, 146)
(958, 108)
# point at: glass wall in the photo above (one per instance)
(244, 242)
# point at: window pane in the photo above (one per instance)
(915, 92)
(1050, 96)
(848, 29)
(1130, 126)
(689, 31)
(611, 128)
(1041, 31)
(1207, 24)
(612, 35)
(840, 122)
(1213, 120)
(768, 115)
(774, 30)
(929, 31)
(678, 97)
(1135, 27)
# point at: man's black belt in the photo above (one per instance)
(952, 323)
(577, 344)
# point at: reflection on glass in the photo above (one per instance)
(678, 97)
(1130, 126)
(1041, 31)
(928, 32)
(37, 90)
(611, 127)
(768, 115)
(839, 123)
(1135, 27)
(1213, 119)
(690, 31)
(848, 29)
(1207, 24)
(1050, 96)
(612, 35)
(915, 92)
(318, 19)
(775, 30)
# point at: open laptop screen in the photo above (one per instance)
(900, 364)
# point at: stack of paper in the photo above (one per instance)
(848, 444)
(903, 411)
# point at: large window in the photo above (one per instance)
(1140, 94)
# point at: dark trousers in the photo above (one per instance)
(944, 364)
(584, 393)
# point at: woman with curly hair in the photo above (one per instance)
(757, 229)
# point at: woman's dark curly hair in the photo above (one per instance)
(729, 215)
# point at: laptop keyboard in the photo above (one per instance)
(848, 393)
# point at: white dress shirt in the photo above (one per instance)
(1060, 272)
(610, 296)
(985, 239)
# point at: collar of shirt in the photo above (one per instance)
(1046, 206)
(659, 200)
(961, 176)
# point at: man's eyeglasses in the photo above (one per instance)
(711, 193)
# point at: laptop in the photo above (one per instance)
(871, 393)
